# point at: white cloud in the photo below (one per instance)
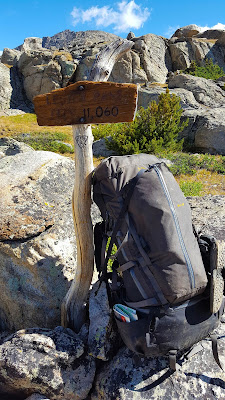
(172, 29)
(124, 16)
(217, 26)
(0, 52)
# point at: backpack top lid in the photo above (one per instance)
(111, 177)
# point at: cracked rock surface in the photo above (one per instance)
(49, 362)
(208, 215)
(37, 241)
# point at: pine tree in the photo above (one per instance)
(208, 71)
(154, 129)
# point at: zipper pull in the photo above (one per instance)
(153, 166)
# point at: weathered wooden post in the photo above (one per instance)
(80, 104)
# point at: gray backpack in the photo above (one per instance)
(161, 268)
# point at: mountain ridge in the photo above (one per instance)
(66, 38)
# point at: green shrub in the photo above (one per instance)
(191, 188)
(154, 129)
(208, 71)
(103, 130)
(46, 141)
(182, 164)
(188, 164)
(113, 252)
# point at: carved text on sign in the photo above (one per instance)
(99, 112)
(87, 103)
(81, 141)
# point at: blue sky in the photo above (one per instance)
(21, 19)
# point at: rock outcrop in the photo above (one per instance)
(183, 51)
(208, 215)
(54, 364)
(5, 87)
(151, 58)
(50, 362)
(10, 56)
(203, 103)
(31, 43)
(10, 147)
(37, 240)
(12, 93)
(37, 243)
(41, 72)
(149, 93)
(129, 69)
(103, 340)
(154, 56)
(221, 39)
(42, 65)
(206, 129)
(205, 91)
(100, 149)
(187, 31)
(75, 40)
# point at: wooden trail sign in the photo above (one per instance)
(87, 102)
(73, 306)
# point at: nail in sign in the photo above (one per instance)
(87, 102)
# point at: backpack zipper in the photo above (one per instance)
(173, 211)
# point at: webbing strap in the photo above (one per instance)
(120, 218)
(173, 359)
(136, 239)
(103, 249)
(114, 285)
(138, 284)
(126, 266)
(125, 240)
(215, 350)
(194, 350)
(158, 292)
(154, 284)
(156, 288)
(142, 303)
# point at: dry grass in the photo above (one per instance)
(205, 40)
(162, 85)
(27, 123)
(63, 53)
(97, 160)
(212, 182)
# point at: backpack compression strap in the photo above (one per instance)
(196, 349)
(144, 260)
(215, 350)
(173, 359)
(120, 218)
